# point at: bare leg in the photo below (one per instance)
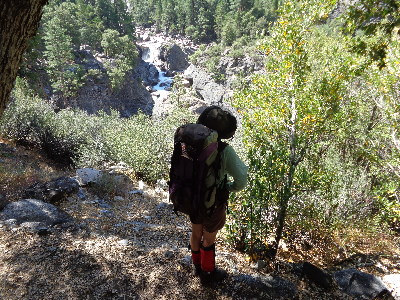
(209, 238)
(195, 238)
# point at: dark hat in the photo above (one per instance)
(222, 121)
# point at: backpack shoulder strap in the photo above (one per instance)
(222, 146)
(218, 160)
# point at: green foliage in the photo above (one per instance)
(286, 114)
(110, 185)
(31, 120)
(90, 25)
(65, 75)
(65, 27)
(111, 42)
(321, 139)
(73, 137)
(207, 20)
(374, 21)
(123, 52)
(114, 15)
(229, 32)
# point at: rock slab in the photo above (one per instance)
(392, 281)
(54, 190)
(33, 210)
(360, 285)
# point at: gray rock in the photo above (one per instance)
(146, 37)
(210, 91)
(175, 58)
(359, 284)
(317, 275)
(38, 227)
(10, 222)
(133, 192)
(146, 72)
(392, 283)
(123, 242)
(54, 190)
(101, 203)
(169, 254)
(3, 201)
(88, 175)
(261, 264)
(5, 148)
(186, 260)
(33, 210)
(162, 205)
(81, 194)
(120, 179)
(272, 287)
(106, 212)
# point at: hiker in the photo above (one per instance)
(205, 227)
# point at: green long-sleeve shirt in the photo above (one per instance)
(232, 165)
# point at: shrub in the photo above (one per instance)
(74, 137)
(143, 143)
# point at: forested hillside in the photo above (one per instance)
(207, 21)
(315, 85)
(69, 28)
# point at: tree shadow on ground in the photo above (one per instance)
(48, 267)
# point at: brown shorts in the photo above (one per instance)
(214, 222)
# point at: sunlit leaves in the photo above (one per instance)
(294, 107)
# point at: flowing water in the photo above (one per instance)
(150, 55)
(161, 90)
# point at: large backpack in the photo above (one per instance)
(194, 169)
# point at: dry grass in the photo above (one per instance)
(21, 167)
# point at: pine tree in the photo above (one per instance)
(63, 72)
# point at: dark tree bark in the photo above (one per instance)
(19, 21)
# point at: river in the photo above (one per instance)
(161, 90)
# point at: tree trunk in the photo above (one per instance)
(19, 21)
(287, 188)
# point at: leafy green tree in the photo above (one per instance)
(221, 13)
(230, 32)
(65, 13)
(111, 42)
(206, 20)
(141, 11)
(287, 114)
(377, 20)
(241, 5)
(168, 16)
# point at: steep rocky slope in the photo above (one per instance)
(126, 243)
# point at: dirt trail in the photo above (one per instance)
(128, 248)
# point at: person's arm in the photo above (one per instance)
(235, 168)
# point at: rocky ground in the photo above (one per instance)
(126, 243)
